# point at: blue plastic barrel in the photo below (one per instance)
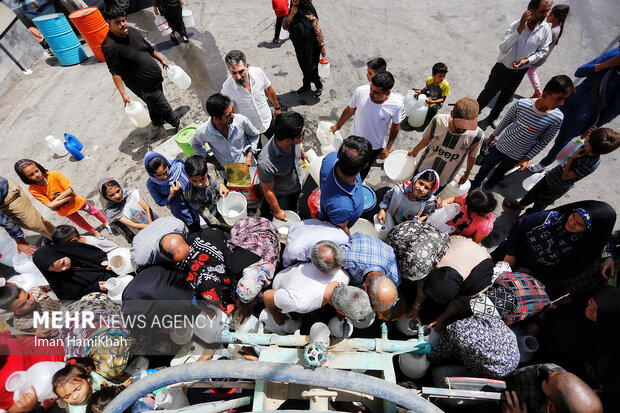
(60, 36)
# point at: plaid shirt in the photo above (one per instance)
(145, 245)
(364, 254)
(527, 386)
(7, 223)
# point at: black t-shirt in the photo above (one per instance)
(131, 58)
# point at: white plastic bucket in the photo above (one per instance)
(162, 25)
(399, 166)
(188, 17)
(365, 227)
(138, 114)
(116, 286)
(179, 77)
(284, 226)
(233, 208)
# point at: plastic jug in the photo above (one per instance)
(364, 323)
(22, 263)
(284, 226)
(116, 286)
(323, 67)
(28, 281)
(409, 102)
(179, 77)
(182, 335)
(270, 324)
(412, 365)
(189, 353)
(383, 229)
(162, 25)
(188, 17)
(233, 208)
(8, 249)
(314, 169)
(407, 326)
(418, 112)
(56, 145)
(334, 146)
(529, 182)
(120, 261)
(171, 398)
(39, 376)
(336, 327)
(249, 325)
(207, 326)
(137, 113)
(453, 189)
(441, 216)
(399, 166)
(325, 135)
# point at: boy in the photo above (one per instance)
(204, 189)
(529, 125)
(375, 66)
(561, 179)
(436, 90)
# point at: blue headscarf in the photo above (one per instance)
(176, 170)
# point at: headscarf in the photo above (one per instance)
(255, 277)
(257, 235)
(112, 210)
(608, 305)
(83, 276)
(306, 7)
(407, 187)
(176, 170)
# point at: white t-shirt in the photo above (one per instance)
(300, 288)
(304, 234)
(251, 104)
(372, 120)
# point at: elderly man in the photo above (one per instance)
(249, 88)
(231, 137)
(145, 245)
(375, 107)
(526, 42)
(372, 263)
(303, 235)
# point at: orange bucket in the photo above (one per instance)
(93, 28)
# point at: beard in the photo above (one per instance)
(242, 81)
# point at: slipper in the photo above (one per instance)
(535, 168)
(513, 205)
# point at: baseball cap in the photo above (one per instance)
(465, 114)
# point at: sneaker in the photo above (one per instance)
(494, 123)
(318, 92)
(303, 89)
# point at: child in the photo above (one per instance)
(281, 9)
(104, 396)
(475, 220)
(67, 233)
(166, 183)
(436, 90)
(205, 188)
(124, 205)
(375, 66)
(23, 303)
(54, 190)
(526, 129)
(561, 179)
(75, 383)
(408, 200)
(555, 19)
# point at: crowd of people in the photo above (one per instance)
(553, 277)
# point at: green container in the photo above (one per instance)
(182, 139)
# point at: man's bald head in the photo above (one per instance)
(381, 290)
(569, 394)
(174, 247)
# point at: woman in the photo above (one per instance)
(558, 244)
(172, 10)
(166, 183)
(302, 23)
(73, 269)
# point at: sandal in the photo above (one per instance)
(536, 168)
(513, 205)
(174, 38)
(185, 39)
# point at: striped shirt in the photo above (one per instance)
(582, 166)
(526, 130)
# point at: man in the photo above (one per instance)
(342, 200)
(16, 211)
(145, 246)
(525, 43)
(548, 388)
(231, 137)
(371, 263)
(303, 235)
(374, 106)
(452, 138)
(249, 88)
(132, 61)
(279, 166)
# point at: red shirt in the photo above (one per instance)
(280, 7)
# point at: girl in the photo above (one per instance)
(166, 183)
(475, 220)
(407, 199)
(73, 269)
(23, 303)
(280, 7)
(54, 190)
(124, 205)
(556, 20)
(75, 382)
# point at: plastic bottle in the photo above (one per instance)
(407, 326)
(39, 376)
(569, 149)
(441, 216)
(56, 145)
(412, 365)
(418, 113)
(137, 113)
(323, 67)
(179, 77)
(22, 263)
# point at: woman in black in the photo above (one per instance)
(172, 10)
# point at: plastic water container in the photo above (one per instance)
(453, 189)
(182, 335)
(407, 326)
(188, 17)
(116, 286)
(284, 226)
(28, 281)
(233, 208)
(171, 398)
(399, 166)
(314, 203)
(336, 327)
(206, 327)
(364, 323)
(323, 67)
(325, 135)
(120, 261)
(138, 114)
(418, 112)
(184, 137)
(22, 263)
(529, 182)
(383, 229)
(249, 325)
(314, 169)
(61, 38)
(162, 25)
(441, 216)
(334, 146)
(364, 226)
(39, 376)
(569, 149)
(189, 353)
(409, 102)
(412, 365)
(93, 28)
(179, 77)
(56, 145)
(270, 324)
(8, 249)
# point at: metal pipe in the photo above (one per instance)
(296, 374)
(214, 407)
